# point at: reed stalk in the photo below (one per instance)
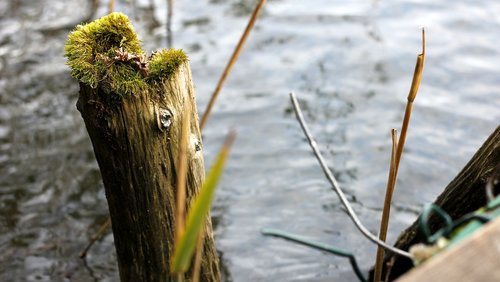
(111, 6)
(398, 145)
(181, 176)
(384, 223)
(198, 256)
(170, 14)
(417, 77)
(96, 237)
(231, 62)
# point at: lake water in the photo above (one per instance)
(350, 64)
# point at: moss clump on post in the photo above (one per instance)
(91, 50)
(106, 53)
(164, 63)
(133, 107)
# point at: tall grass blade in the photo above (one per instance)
(197, 215)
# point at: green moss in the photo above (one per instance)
(165, 62)
(90, 50)
(107, 54)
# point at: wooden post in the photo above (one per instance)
(465, 193)
(133, 115)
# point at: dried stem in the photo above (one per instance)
(384, 223)
(231, 62)
(170, 14)
(335, 185)
(390, 264)
(197, 260)
(417, 76)
(96, 237)
(396, 157)
(111, 6)
(181, 176)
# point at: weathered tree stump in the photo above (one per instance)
(465, 194)
(132, 107)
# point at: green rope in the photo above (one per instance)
(319, 246)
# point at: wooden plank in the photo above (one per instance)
(475, 259)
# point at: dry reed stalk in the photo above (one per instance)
(231, 62)
(111, 6)
(389, 264)
(197, 260)
(96, 237)
(181, 176)
(417, 77)
(396, 158)
(170, 13)
(384, 223)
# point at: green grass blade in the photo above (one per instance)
(197, 215)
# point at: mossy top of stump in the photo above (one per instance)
(106, 53)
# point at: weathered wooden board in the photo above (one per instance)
(475, 259)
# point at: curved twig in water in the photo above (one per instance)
(336, 187)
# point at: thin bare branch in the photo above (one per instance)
(335, 185)
(231, 62)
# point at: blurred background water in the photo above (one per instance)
(349, 62)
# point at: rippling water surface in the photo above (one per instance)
(349, 62)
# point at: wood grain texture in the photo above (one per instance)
(136, 143)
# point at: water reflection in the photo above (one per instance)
(349, 63)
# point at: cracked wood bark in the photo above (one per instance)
(136, 144)
(464, 194)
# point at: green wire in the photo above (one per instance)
(471, 221)
(317, 245)
(424, 224)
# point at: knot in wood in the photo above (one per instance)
(197, 146)
(164, 119)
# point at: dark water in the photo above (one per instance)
(349, 62)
